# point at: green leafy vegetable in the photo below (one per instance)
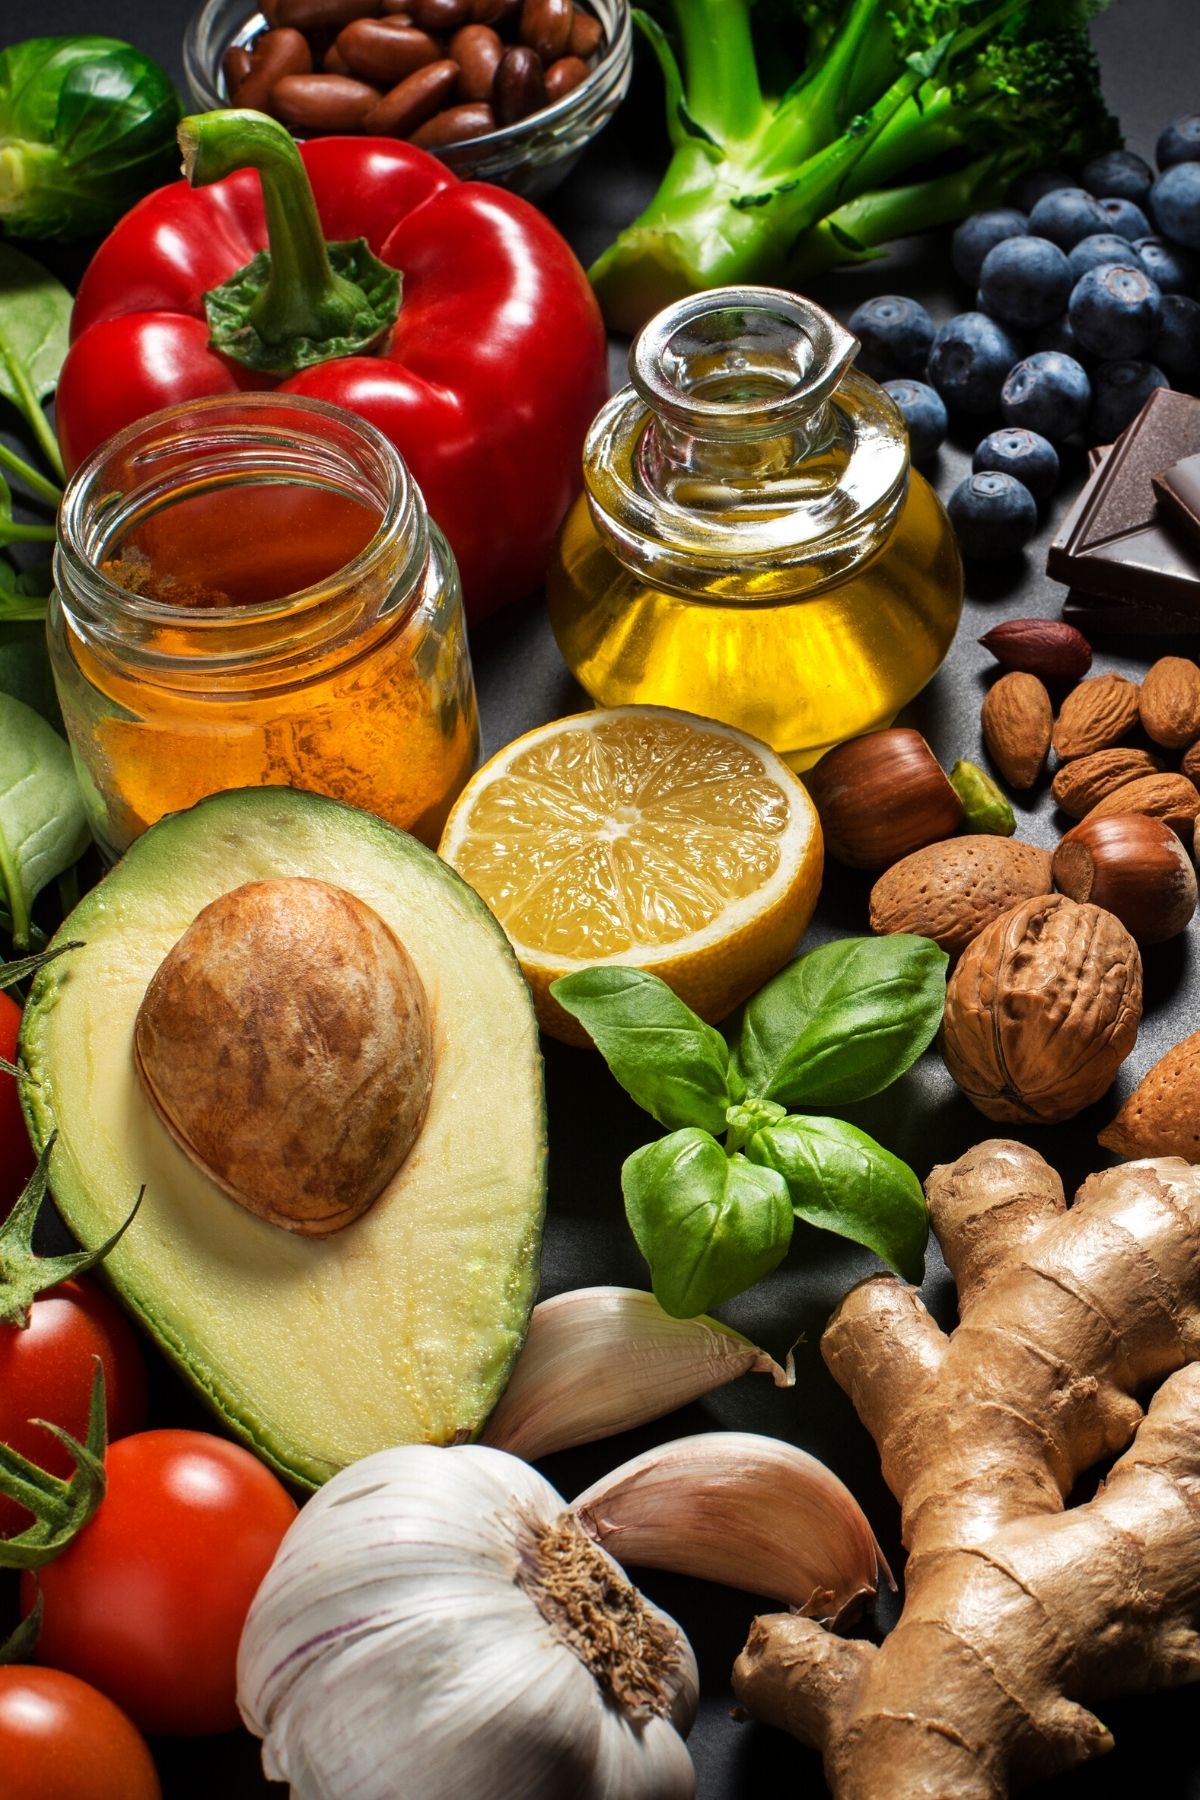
(674, 1065)
(806, 134)
(25, 666)
(42, 825)
(708, 1224)
(87, 126)
(842, 1180)
(843, 1022)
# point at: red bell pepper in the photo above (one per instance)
(485, 379)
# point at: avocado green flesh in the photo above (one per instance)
(401, 1328)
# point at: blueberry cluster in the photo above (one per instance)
(1085, 301)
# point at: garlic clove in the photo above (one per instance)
(604, 1359)
(745, 1510)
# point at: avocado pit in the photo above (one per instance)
(285, 1042)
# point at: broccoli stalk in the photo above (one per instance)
(955, 96)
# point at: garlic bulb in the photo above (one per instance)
(436, 1623)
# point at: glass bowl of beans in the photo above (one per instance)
(509, 91)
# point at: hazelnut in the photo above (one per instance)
(1135, 867)
(881, 796)
(285, 1043)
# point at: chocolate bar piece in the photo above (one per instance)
(1116, 543)
(1178, 490)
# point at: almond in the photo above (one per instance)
(1172, 798)
(1095, 715)
(950, 891)
(1169, 703)
(1017, 720)
(1082, 784)
(1190, 766)
(1162, 1115)
(1046, 648)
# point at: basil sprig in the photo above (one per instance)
(835, 1026)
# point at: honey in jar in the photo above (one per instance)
(249, 593)
(751, 543)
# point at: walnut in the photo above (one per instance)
(1042, 1010)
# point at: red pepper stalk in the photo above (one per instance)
(486, 377)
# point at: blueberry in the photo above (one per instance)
(1048, 393)
(1118, 173)
(1175, 271)
(895, 334)
(1067, 215)
(1026, 455)
(1030, 189)
(970, 357)
(981, 233)
(924, 414)
(993, 515)
(1177, 347)
(1179, 143)
(1115, 311)
(1025, 281)
(1125, 220)
(1175, 203)
(1119, 392)
(1059, 336)
(1094, 252)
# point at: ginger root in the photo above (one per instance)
(1016, 1610)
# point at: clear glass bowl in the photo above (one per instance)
(530, 158)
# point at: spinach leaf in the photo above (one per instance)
(668, 1060)
(843, 1021)
(709, 1225)
(843, 1181)
(35, 313)
(42, 825)
(25, 668)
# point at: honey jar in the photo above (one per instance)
(249, 593)
(752, 543)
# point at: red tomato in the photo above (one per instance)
(17, 1160)
(61, 1740)
(149, 1601)
(47, 1370)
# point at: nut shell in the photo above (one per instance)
(1135, 867)
(285, 1042)
(1172, 798)
(1083, 783)
(1017, 720)
(1094, 715)
(1169, 704)
(880, 796)
(950, 891)
(1162, 1115)
(1042, 1010)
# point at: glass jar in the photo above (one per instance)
(751, 543)
(250, 593)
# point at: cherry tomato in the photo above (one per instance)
(47, 1370)
(149, 1601)
(61, 1740)
(17, 1160)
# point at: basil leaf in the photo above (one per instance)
(42, 824)
(843, 1021)
(709, 1225)
(843, 1181)
(668, 1060)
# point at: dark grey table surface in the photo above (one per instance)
(1150, 52)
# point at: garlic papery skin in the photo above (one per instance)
(603, 1359)
(745, 1510)
(436, 1624)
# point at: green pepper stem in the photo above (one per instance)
(303, 297)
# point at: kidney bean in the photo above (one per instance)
(235, 66)
(308, 103)
(546, 27)
(274, 55)
(477, 50)
(397, 11)
(454, 125)
(519, 87)
(334, 63)
(383, 52)
(440, 15)
(586, 35)
(564, 76)
(322, 15)
(413, 100)
(495, 12)
(269, 9)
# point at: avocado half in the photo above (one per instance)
(401, 1328)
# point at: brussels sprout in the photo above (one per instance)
(87, 126)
